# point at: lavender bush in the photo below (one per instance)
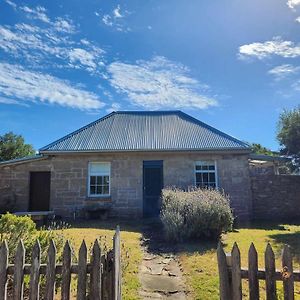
(199, 213)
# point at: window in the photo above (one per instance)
(205, 172)
(99, 178)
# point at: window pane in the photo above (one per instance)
(211, 167)
(198, 178)
(105, 189)
(198, 167)
(106, 180)
(205, 177)
(204, 167)
(92, 190)
(99, 190)
(99, 180)
(96, 167)
(212, 177)
(93, 180)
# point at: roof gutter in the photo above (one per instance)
(22, 161)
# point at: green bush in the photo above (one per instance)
(199, 213)
(13, 228)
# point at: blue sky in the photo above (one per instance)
(232, 64)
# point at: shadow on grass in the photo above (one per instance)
(110, 224)
(291, 239)
(153, 238)
(266, 224)
(155, 242)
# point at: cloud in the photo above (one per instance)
(293, 3)
(277, 46)
(117, 12)
(107, 20)
(11, 3)
(113, 107)
(116, 19)
(282, 71)
(38, 13)
(64, 25)
(159, 83)
(85, 58)
(42, 46)
(20, 85)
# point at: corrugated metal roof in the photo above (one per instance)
(146, 131)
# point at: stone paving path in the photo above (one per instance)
(161, 277)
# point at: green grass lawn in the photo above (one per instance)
(200, 263)
(198, 260)
(130, 245)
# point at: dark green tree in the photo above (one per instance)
(288, 134)
(259, 149)
(13, 146)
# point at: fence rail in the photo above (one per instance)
(98, 279)
(231, 273)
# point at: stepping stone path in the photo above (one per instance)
(161, 277)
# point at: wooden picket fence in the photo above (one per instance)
(231, 273)
(98, 279)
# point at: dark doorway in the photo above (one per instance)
(152, 185)
(39, 195)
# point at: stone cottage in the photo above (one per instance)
(121, 162)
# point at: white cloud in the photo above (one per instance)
(107, 20)
(282, 71)
(159, 83)
(293, 3)
(277, 46)
(40, 46)
(11, 3)
(117, 12)
(20, 85)
(116, 19)
(64, 25)
(38, 13)
(113, 107)
(84, 57)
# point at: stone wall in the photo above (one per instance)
(275, 197)
(69, 175)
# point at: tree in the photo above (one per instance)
(288, 134)
(13, 146)
(259, 149)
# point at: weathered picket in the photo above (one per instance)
(98, 279)
(231, 274)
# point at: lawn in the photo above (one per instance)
(200, 263)
(104, 231)
(198, 259)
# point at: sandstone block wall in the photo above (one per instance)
(276, 197)
(69, 175)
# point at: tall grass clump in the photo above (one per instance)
(196, 214)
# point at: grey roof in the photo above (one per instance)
(23, 159)
(263, 157)
(145, 131)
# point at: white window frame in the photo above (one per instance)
(204, 162)
(98, 174)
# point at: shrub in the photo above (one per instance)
(13, 228)
(199, 213)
